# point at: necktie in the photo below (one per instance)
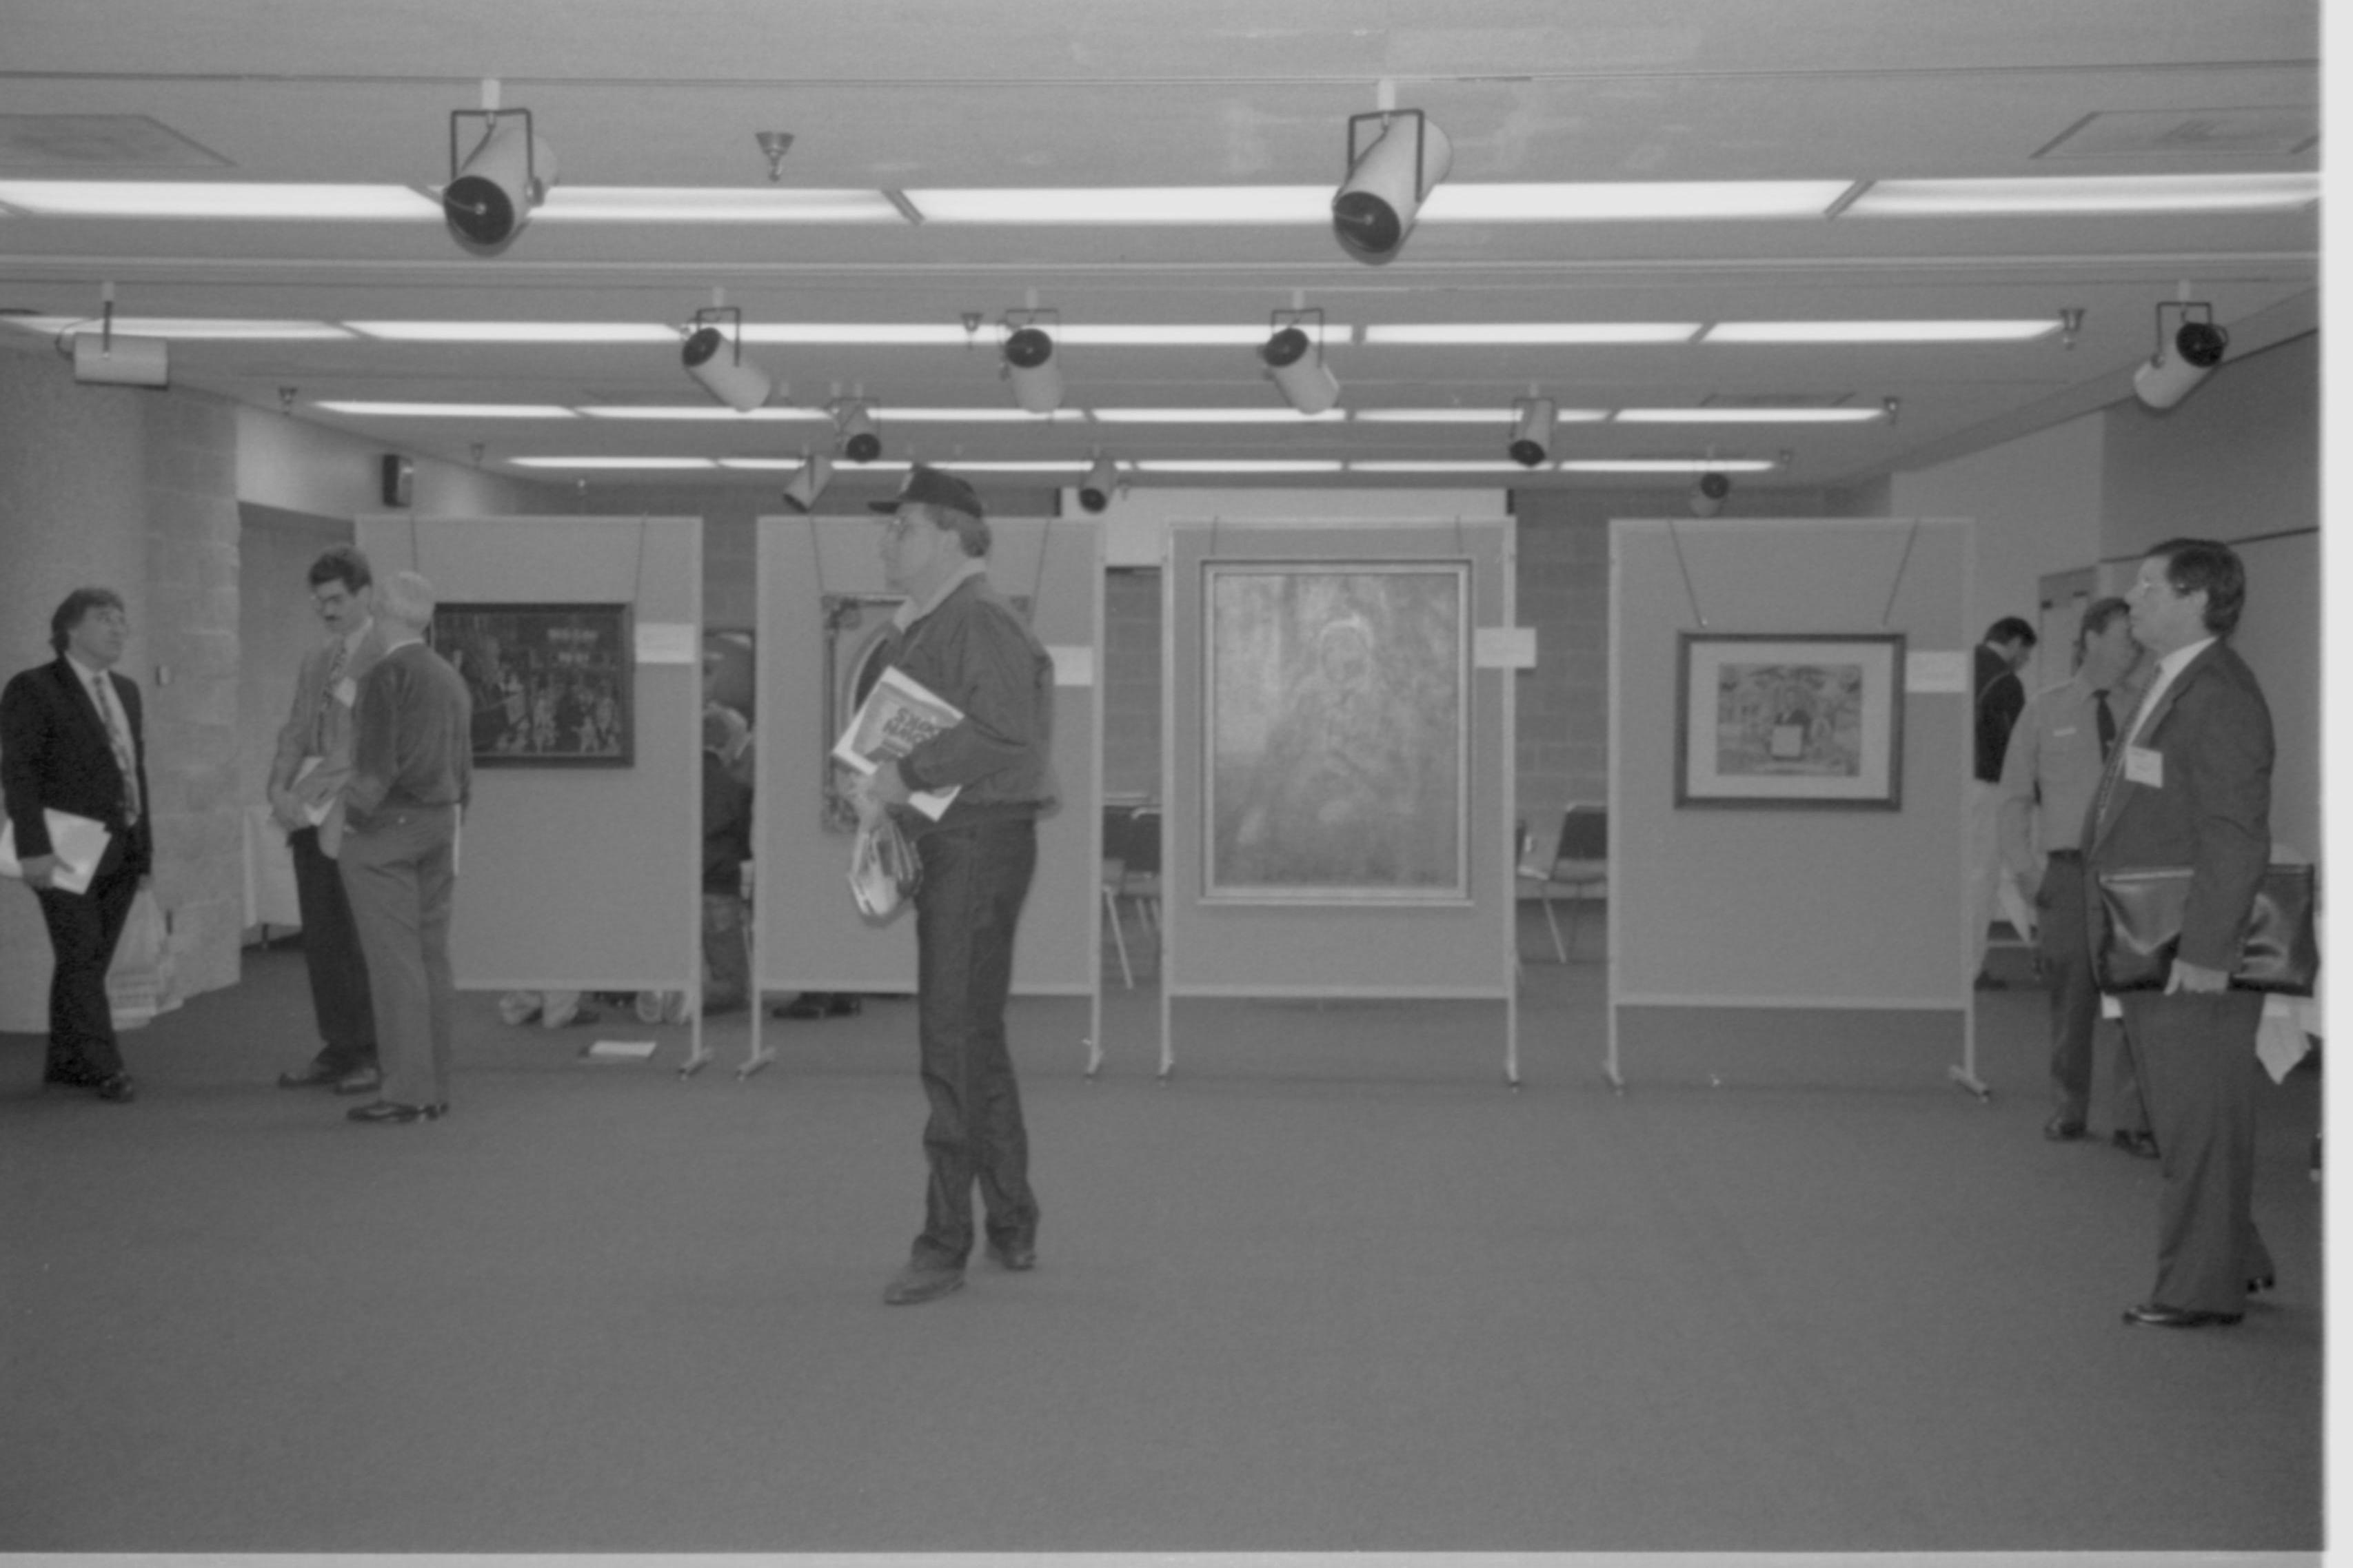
(118, 731)
(2107, 720)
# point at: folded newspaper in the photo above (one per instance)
(898, 715)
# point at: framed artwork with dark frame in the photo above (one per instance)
(1765, 721)
(551, 683)
(1336, 731)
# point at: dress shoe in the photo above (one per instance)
(819, 1004)
(2141, 1145)
(360, 1081)
(920, 1282)
(116, 1087)
(2157, 1315)
(386, 1111)
(1017, 1256)
(315, 1075)
(2058, 1129)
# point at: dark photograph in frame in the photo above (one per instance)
(551, 683)
(1769, 721)
(1336, 751)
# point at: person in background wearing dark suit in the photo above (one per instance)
(412, 766)
(71, 740)
(2058, 752)
(2190, 785)
(306, 796)
(2001, 698)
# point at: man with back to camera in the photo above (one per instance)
(412, 765)
(306, 798)
(2189, 784)
(2001, 698)
(959, 637)
(71, 742)
(2057, 753)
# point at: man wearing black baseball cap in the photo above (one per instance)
(960, 637)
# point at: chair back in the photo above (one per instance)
(1584, 833)
(1141, 842)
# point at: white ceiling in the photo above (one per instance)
(909, 94)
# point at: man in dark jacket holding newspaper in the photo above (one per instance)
(959, 638)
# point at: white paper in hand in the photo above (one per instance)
(78, 842)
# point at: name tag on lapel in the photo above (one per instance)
(2145, 766)
(347, 692)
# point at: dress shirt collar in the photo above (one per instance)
(88, 672)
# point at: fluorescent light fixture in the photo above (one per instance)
(647, 203)
(219, 199)
(1511, 333)
(517, 331)
(1222, 205)
(1632, 201)
(1217, 417)
(698, 411)
(611, 462)
(1667, 466)
(877, 334)
(1976, 331)
(761, 463)
(1182, 337)
(1502, 414)
(1749, 416)
(893, 415)
(1387, 467)
(1236, 465)
(2087, 195)
(187, 328)
(1042, 466)
(448, 410)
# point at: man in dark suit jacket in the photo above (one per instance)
(71, 740)
(2190, 786)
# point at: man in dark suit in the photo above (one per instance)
(2190, 786)
(70, 741)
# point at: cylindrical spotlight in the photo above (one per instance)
(2164, 380)
(1037, 375)
(808, 482)
(1377, 205)
(1096, 489)
(1532, 431)
(1307, 381)
(487, 201)
(855, 437)
(712, 359)
(1707, 493)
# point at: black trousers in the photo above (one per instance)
(330, 951)
(83, 929)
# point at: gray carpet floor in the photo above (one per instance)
(1330, 1288)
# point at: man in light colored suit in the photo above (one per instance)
(2191, 786)
(306, 796)
(412, 766)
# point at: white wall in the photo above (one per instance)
(297, 465)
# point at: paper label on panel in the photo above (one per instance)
(1935, 671)
(1074, 664)
(668, 642)
(1503, 648)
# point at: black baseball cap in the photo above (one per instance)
(932, 487)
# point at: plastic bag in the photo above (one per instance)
(884, 869)
(140, 980)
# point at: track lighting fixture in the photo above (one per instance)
(106, 358)
(1295, 362)
(1100, 485)
(490, 194)
(808, 482)
(1029, 360)
(855, 438)
(1531, 430)
(2195, 347)
(716, 359)
(1376, 206)
(1707, 493)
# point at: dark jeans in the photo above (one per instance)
(330, 951)
(83, 929)
(975, 879)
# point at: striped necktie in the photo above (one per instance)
(118, 732)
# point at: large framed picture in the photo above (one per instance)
(551, 683)
(1336, 751)
(1765, 721)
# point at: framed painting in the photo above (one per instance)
(1337, 711)
(551, 683)
(1765, 721)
